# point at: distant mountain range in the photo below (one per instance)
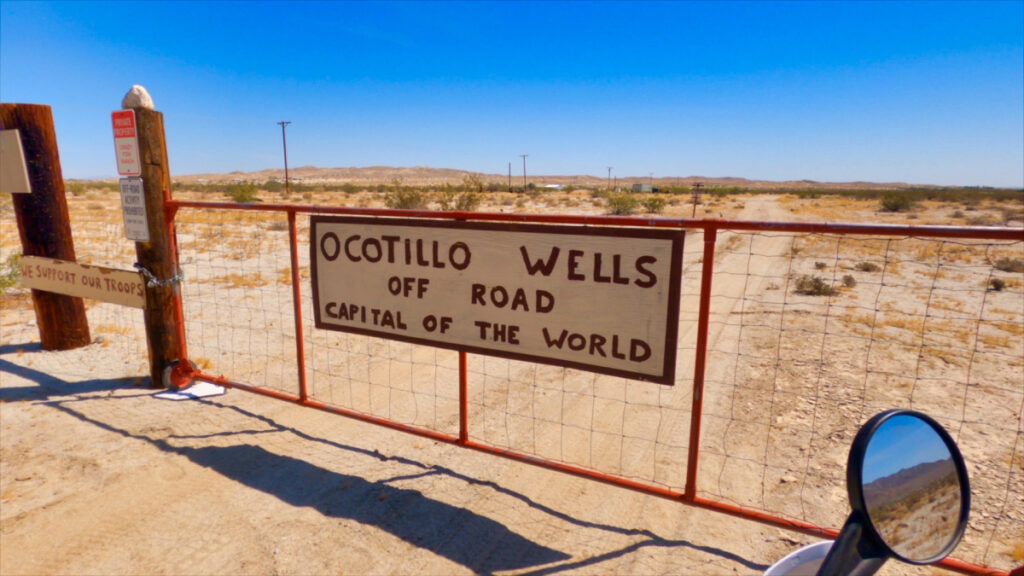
(898, 486)
(427, 176)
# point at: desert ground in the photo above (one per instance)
(97, 476)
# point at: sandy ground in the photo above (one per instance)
(97, 476)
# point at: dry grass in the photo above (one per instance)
(235, 280)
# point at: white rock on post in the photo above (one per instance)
(137, 97)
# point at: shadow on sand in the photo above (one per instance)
(460, 535)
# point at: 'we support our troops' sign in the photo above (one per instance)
(600, 299)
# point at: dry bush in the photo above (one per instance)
(1009, 264)
(814, 286)
(622, 204)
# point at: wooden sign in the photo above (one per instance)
(122, 287)
(13, 170)
(126, 143)
(600, 299)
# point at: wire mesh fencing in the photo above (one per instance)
(99, 239)
(809, 335)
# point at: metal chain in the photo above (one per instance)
(152, 280)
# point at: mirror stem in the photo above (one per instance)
(854, 552)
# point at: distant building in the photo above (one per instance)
(641, 188)
(554, 186)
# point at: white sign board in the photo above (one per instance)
(122, 287)
(133, 206)
(13, 170)
(599, 299)
(126, 143)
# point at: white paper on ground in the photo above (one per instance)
(197, 390)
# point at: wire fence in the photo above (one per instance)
(98, 234)
(809, 335)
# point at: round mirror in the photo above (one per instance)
(911, 485)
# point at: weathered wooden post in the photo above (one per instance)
(44, 224)
(156, 258)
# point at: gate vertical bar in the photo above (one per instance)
(710, 237)
(300, 342)
(463, 397)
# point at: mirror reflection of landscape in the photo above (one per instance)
(911, 488)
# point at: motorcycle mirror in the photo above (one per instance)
(909, 493)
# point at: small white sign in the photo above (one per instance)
(126, 143)
(13, 171)
(133, 206)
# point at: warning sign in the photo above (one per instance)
(602, 299)
(133, 206)
(126, 143)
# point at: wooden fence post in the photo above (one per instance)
(156, 256)
(44, 224)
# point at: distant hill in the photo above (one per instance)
(898, 486)
(427, 176)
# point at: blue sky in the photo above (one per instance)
(903, 441)
(920, 92)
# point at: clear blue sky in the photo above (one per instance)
(920, 92)
(902, 441)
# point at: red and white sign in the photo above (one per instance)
(126, 143)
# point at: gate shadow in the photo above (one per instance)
(458, 534)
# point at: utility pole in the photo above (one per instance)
(510, 176)
(609, 177)
(523, 156)
(284, 142)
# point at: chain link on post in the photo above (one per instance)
(153, 282)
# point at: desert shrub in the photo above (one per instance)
(982, 220)
(958, 214)
(622, 204)
(849, 281)
(404, 198)
(1007, 264)
(273, 186)
(241, 192)
(473, 183)
(997, 284)
(1012, 214)
(820, 265)
(896, 202)
(653, 204)
(867, 267)
(76, 188)
(813, 286)
(10, 272)
(446, 199)
(466, 201)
